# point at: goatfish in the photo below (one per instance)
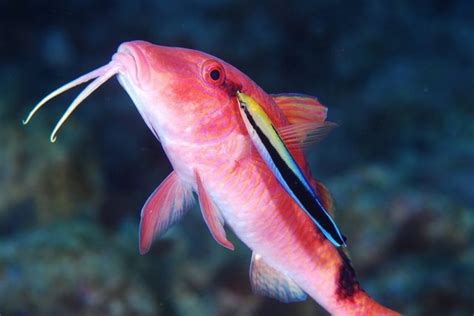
(215, 126)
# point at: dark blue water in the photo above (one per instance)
(397, 77)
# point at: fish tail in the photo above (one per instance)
(350, 296)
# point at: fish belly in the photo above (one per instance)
(270, 223)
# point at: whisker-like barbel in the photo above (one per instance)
(82, 79)
(94, 85)
(101, 75)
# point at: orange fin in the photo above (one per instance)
(301, 108)
(268, 281)
(306, 134)
(165, 206)
(212, 216)
(306, 117)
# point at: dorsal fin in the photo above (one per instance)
(306, 116)
(300, 108)
(305, 134)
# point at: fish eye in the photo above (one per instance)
(213, 72)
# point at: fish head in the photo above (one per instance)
(180, 92)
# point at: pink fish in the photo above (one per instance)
(189, 101)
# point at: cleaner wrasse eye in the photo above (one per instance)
(191, 102)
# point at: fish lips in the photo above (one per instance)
(133, 63)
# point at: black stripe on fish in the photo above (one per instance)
(312, 205)
(347, 284)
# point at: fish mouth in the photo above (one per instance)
(133, 63)
(129, 61)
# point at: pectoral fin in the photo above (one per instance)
(268, 281)
(212, 216)
(166, 205)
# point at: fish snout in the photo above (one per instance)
(131, 58)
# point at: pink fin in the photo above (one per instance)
(166, 205)
(212, 217)
(300, 108)
(304, 135)
(268, 281)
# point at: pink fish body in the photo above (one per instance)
(188, 100)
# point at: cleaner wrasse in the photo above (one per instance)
(191, 101)
(273, 150)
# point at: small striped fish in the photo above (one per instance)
(279, 159)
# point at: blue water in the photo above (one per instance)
(397, 77)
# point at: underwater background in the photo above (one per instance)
(398, 78)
